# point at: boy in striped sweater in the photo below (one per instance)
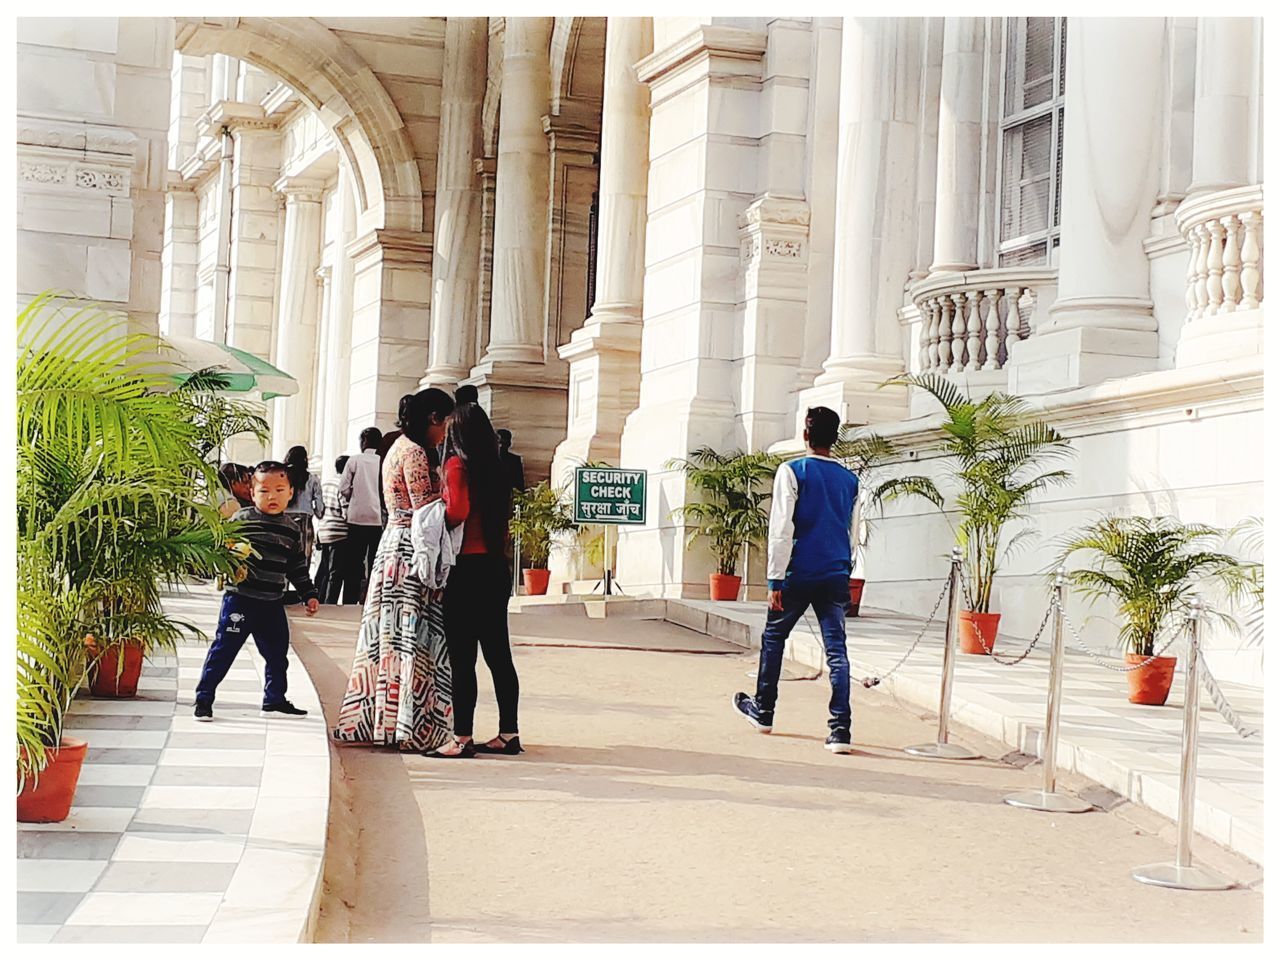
(810, 557)
(254, 604)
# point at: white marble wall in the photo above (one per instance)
(93, 109)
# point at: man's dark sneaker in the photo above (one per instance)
(204, 712)
(284, 708)
(839, 742)
(762, 720)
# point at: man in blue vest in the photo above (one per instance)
(810, 557)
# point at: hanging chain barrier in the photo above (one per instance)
(1177, 631)
(870, 682)
(1220, 702)
(989, 648)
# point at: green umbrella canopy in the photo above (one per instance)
(241, 371)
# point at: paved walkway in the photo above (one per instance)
(184, 832)
(1130, 749)
(645, 810)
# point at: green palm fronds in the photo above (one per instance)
(734, 510)
(999, 455)
(541, 514)
(1150, 566)
(112, 504)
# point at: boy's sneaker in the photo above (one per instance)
(762, 720)
(204, 712)
(284, 708)
(839, 742)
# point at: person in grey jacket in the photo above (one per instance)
(360, 493)
(308, 497)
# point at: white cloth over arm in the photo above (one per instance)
(435, 546)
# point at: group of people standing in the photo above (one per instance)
(413, 680)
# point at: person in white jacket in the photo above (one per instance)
(810, 557)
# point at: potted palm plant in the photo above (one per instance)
(166, 544)
(862, 452)
(734, 510)
(541, 514)
(1149, 567)
(104, 460)
(997, 454)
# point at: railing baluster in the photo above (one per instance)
(1231, 264)
(975, 330)
(1251, 260)
(958, 328)
(1213, 284)
(992, 300)
(944, 335)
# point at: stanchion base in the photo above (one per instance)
(1180, 878)
(1048, 802)
(942, 751)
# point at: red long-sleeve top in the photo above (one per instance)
(457, 506)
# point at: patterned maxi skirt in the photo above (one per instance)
(400, 692)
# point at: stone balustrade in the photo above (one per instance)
(1224, 268)
(970, 320)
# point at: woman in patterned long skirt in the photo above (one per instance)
(399, 693)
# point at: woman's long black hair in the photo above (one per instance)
(296, 460)
(473, 441)
(416, 413)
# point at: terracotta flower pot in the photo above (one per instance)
(48, 798)
(535, 581)
(116, 672)
(724, 586)
(1150, 684)
(971, 623)
(855, 596)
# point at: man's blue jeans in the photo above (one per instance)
(829, 601)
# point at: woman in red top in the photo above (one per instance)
(477, 495)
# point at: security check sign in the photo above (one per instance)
(608, 495)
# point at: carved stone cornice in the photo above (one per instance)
(299, 189)
(397, 246)
(233, 116)
(76, 136)
(568, 133)
(736, 52)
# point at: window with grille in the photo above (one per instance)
(1034, 85)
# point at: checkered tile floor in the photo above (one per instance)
(176, 827)
(1131, 749)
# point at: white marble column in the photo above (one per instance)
(1101, 325)
(604, 355)
(880, 73)
(959, 168)
(297, 327)
(455, 259)
(520, 222)
(1221, 217)
(337, 357)
(1225, 83)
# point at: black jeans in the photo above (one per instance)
(354, 561)
(475, 614)
(325, 571)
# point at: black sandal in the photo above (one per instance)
(468, 750)
(509, 747)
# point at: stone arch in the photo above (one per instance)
(330, 76)
(577, 64)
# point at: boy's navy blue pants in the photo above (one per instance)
(240, 617)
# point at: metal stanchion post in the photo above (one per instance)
(942, 750)
(1046, 798)
(1181, 874)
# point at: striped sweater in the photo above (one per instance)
(280, 560)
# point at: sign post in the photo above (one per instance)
(610, 496)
